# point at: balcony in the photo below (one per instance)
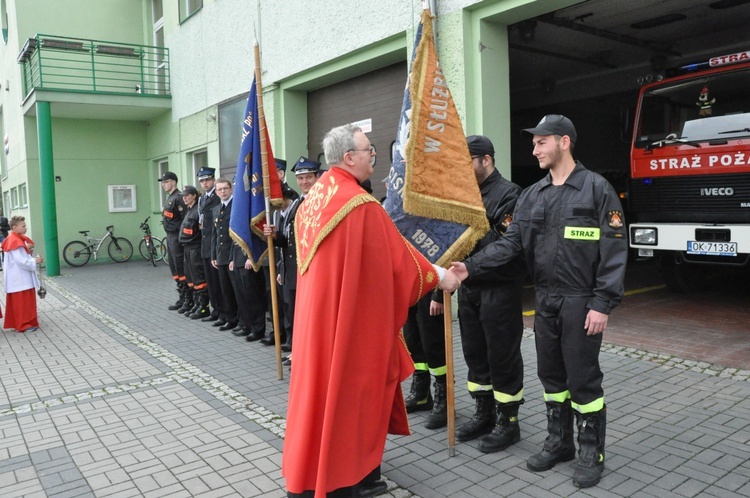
(120, 76)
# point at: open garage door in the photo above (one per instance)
(374, 100)
(588, 61)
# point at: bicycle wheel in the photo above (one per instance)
(159, 248)
(147, 250)
(76, 253)
(120, 249)
(163, 251)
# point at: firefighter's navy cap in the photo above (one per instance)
(305, 165)
(479, 145)
(280, 164)
(168, 175)
(554, 124)
(189, 189)
(206, 173)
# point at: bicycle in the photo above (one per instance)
(78, 253)
(151, 248)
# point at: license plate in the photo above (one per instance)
(712, 248)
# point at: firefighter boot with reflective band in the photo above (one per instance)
(559, 446)
(481, 423)
(177, 305)
(591, 430)
(505, 432)
(201, 308)
(419, 398)
(188, 302)
(438, 417)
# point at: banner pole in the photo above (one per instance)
(450, 391)
(267, 196)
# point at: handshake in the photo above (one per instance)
(453, 277)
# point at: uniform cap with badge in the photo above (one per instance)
(280, 164)
(168, 175)
(305, 165)
(554, 124)
(206, 173)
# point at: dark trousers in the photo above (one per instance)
(290, 298)
(176, 257)
(491, 323)
(425, 337)
(567, 358)
(214, 287)
(228, 302)
(193, 264)
(249, 287)
(279, 302)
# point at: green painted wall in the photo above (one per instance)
(89, 156)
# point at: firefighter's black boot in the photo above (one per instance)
(559, 446)
(481, 423)
(438, 417)
(419, 398)
(177, 305)
(188, 303)
(505, 432)
(201, 310)
(591, 430)
(196, 304)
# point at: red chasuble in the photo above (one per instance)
(358, 277)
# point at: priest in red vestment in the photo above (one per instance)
(21, 279)
(357, 279)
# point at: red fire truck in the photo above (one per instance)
(689, 192)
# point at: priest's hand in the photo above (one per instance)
(450, 282)
(39, 259)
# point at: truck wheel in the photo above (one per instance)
(681, 278)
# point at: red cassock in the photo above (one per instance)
(358, 278)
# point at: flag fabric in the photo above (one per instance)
(432, 192)
(249, 204)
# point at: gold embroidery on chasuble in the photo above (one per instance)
(325, 206)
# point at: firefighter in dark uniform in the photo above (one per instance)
(221, 255)
(570, 228)
(190, 238)
(206, 203)
(250, 291)
(307, 171)
(172, 214)
(425, 337)
(490, 317)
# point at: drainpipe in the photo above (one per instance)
(47, 177)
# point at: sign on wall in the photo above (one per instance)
(122, 198)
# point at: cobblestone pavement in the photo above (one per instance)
(116, 396)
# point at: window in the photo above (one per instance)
(14, 198)
(6, 148)
(121, 198)
(199, 160)
(189, 7)
(160, 64)
(4, 19)
(23, 197)
(231, 115)
(163, 167)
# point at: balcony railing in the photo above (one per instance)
(93, 66)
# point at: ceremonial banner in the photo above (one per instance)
(432, 191)
(248, 206)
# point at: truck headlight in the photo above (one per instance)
(646, 236)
